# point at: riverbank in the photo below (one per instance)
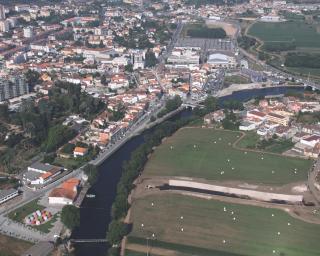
(252, 86)
(137, 131)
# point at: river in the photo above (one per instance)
(95, 212)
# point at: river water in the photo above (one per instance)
(95, 212)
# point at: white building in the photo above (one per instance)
(221, 60)
(4, 26)
(2, 12)
(28, 32)
(66, 194)
(247, 126)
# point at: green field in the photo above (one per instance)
(254, 232)
(204, 153)
(303, 34)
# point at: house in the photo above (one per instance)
(79, 151)
(8, 194)
(66, 194)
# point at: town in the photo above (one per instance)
(80, 79)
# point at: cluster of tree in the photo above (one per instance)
(131, 170)
(274, 141)
(41, 123)
(70, 99)
(248, 13)
(308, 117)
(291, 16)
(204, 32)
(57, 136)
(212, 104)
(77, 58)
(70, 216)
(137, 39)
(118, 113)
(66, 36)
(279, 46)
(92, 173)
(300, 59)
(55, 18)
(246, 42)
(233, 105)
(151, 59)
(32, 78)
(231, 121)
(171, 104)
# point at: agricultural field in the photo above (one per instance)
(194, 226)
(210, 154)
(304, 35)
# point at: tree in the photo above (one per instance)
(151, 59)
(210, 104)
(70, 216)
(32, 78)
(4, 112)
(103, 79)
(116, 231)
(92, 172)
(57, 136)
(129, 68)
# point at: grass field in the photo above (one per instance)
(11, 246)
(305, 35)
(253, 232)
(204, 153)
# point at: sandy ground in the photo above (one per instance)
(230, 29)
(152, 250)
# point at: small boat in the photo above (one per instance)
(90, 196)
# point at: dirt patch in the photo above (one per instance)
(230, 29)
(12, 246)
(152, 250)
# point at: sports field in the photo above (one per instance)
(209, 154)
(303, 34)
(193, 226)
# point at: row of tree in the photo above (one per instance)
(171, 104)
(131, 170)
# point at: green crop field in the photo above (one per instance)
(305, 35)
(209, 154)
(218, 228)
